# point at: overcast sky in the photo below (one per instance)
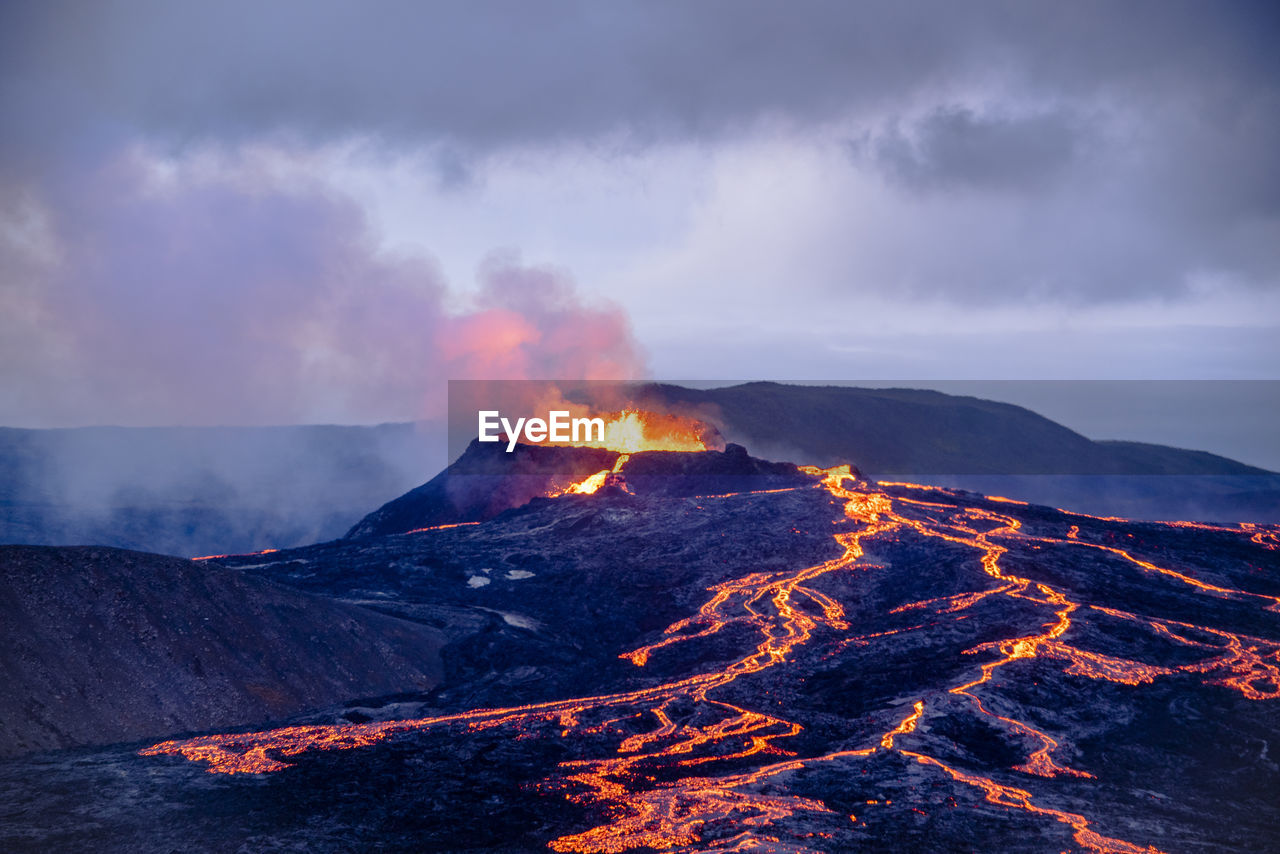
(246, 212)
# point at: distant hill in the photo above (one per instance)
(980, 445)
(102, 645)
(902, 431)
(480, 484)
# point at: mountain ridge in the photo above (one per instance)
(904, 431)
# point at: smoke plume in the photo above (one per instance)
(144, 294)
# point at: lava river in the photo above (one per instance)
(705, 761)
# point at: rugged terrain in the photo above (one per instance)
(824, 665)
(486, 480)
(101, 645)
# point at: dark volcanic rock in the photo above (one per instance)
(487, 480)
(815, 669)
(482, 483)
(100, 645)
(707, 473)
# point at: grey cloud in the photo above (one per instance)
(479, 74)
(1076, 204)
(468, 70)
(512, 70)
(1196, 81)
(954, 147)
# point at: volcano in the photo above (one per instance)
(712, 652)
(486, 481)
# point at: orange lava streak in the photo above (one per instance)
(908, 725)
(1009, 796)
(440, 527)
(1224, 592)
(1268, 538)
(1252, 664)
(950, 604)
(246, 554)
(591, 484)
(246, 753)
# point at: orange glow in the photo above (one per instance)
(246, 554)
(702, 741)
(440, 527)
(907, 726)
(589, 485)
(592, 483)
(631, 431)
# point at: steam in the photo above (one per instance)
(142, 291)
(180, 295)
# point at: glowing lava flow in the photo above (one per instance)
(591, 484)
(646, 791)
(440, 527)
(631, 431)
(246, 554)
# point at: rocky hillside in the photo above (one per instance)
(100, 645)
(486, 480)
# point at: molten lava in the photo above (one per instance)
(592, 483)
(662, 787)
(631, 431)
(216, 557)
